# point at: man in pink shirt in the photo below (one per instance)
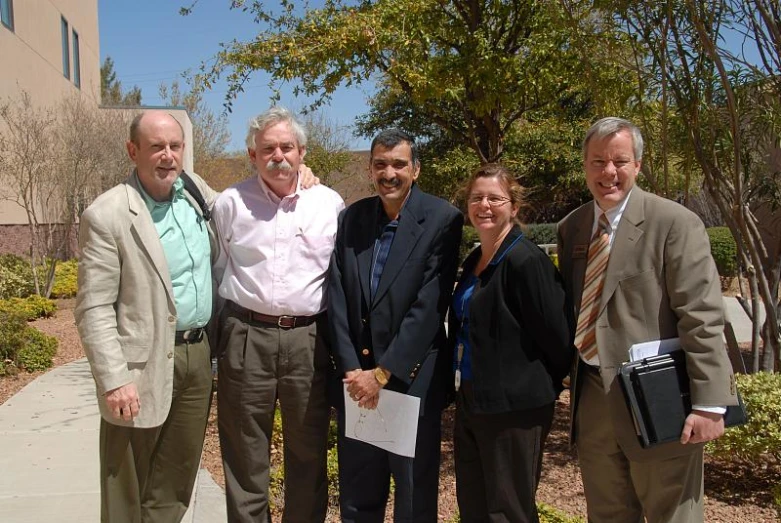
(276, 242)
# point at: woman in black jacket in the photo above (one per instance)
(512, 330)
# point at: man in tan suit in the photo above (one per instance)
(144, 300)
(660, 282)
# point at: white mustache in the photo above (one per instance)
(279, 166)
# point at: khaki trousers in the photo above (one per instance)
(619, 490)
(260, 364)
(147, 475)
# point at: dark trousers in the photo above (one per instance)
(365, 472)
(498, 460)
(260, 364)
(147, 475)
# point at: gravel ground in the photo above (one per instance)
(734, 493)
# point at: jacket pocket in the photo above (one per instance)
(136, 353)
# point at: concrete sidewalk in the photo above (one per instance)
(49, 454)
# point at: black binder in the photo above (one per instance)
(657, 391)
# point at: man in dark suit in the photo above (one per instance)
(391, 276)
(660, 282)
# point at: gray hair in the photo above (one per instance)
(271, 117)
(390, 138)
(610, 126)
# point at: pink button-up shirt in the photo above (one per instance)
(275, 252)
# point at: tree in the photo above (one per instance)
(111, 92)
(728, 107)
(326, 149)
(55, 160)
(210, 131)
(472, 68)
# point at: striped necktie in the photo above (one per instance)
(598, 254)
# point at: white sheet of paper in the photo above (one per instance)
(392, 426)
(639, 351)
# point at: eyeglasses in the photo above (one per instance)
(493, 199)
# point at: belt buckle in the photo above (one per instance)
(192, 334)
(286, 322)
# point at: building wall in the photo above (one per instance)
(31, 57)
(31, 60)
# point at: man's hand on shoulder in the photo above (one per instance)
(124, 402)
(701, 427)
(308, 178)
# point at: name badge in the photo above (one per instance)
(580, 251)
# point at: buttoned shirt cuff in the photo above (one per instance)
(712, 410)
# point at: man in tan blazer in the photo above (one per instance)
(143, 302)
(660, 282)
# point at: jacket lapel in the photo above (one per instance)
(365, 257)
(624, 244)
(581, 237)
(407, 235)
(146, 236)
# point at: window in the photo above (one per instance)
(7, 13)
(76, 60)
(66, 54)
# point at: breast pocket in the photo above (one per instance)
(315, 252)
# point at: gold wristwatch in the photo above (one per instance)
(379, 375)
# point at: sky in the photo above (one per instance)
(151, 43)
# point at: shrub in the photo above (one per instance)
(761, 436)
(723, 250)
(22, 346)
(38, 351)
(469, 238)
(549, 514)
(541, 233)
(32, 307)
(66, 279)
(16, 277)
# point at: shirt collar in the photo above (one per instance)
(151, 203)
(613, 214)
(272, 196)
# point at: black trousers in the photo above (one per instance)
(365, 472)
(498, 460)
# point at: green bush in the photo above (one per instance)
(16, 277)
(32, 307)
(541, 233)
(761, 436)
(469, 238)
(66, 279)
(23, 347)
(723, 250)
(549, 514)
(38, 351)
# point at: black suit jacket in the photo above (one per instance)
(402, 329)
(521, 328)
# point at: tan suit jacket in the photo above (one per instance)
(661, 282)
(125, 310)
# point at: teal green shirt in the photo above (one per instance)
(185, 241)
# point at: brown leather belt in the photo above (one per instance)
(283, 322)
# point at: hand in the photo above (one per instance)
(308, 178)
(701, 427)
(363, 387)
(123, 402)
